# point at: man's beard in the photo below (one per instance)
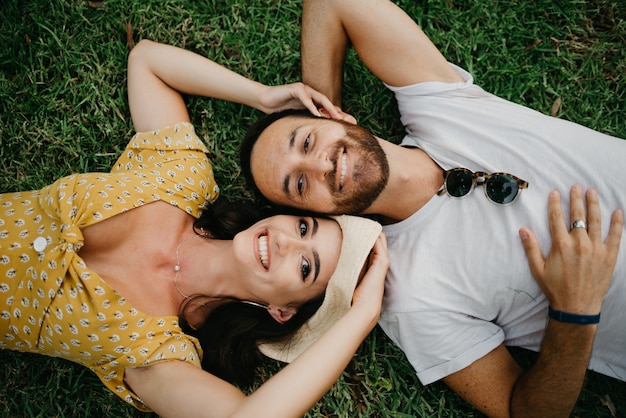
(370, 173)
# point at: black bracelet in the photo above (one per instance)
(571, 318)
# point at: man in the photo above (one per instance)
(460, 288)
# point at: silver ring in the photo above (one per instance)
(579, 223)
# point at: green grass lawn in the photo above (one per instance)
(63, 109)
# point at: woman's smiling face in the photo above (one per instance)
(288, 260)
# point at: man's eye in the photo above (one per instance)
(307, 141)
(306, 268)
(300, 185)
(304, 228)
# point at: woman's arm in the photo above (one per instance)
(175, 389)
(159, 74)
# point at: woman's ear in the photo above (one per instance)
(281, 315)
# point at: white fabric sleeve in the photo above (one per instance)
(438, 344)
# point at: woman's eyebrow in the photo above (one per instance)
(316, 261)
(316, 257)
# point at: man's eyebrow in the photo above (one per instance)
(286, 186)
(292, 138)
(316, 257)
(287, 180)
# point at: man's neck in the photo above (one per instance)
(414, 178)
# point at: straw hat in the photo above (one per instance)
(359, 236)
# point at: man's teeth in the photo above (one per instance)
(344, 169)
(263, 250)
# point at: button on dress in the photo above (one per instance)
(51, 303)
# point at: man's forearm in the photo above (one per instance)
(324, 46)
(552, 386)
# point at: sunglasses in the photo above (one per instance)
(501, 188)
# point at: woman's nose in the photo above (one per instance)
(287, 244)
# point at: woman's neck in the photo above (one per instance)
(206, 268)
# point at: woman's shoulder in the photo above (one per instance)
(170, 164)
(179, 136)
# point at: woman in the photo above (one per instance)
(97, 267)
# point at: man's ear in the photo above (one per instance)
(346, 117)
(281, 315)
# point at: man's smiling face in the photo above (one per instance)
(320, 165)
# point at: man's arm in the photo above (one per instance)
(498, 387)
(575, 277)
(387, 40)
(397, 51)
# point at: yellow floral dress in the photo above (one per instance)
(52, 303)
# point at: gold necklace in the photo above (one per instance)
(177, 266)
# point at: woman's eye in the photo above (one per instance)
(307, 141)
(304, 228)
(306, 268)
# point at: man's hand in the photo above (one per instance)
(575, 278)
(577, 272)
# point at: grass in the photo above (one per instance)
(63, 110)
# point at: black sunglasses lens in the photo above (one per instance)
(459, 183)
(501, 189)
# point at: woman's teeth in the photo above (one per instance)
(263, 250)
(344, 169)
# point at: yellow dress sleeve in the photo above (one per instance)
(171, 163)
(64, 309)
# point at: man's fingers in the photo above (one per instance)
(594, 218)
(615, 233)
(577, 206)
(558, 229)
(536, 261)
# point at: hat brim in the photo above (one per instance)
(359, 236)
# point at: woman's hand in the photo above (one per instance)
(175, 388)
(296, 96)
(369, 292)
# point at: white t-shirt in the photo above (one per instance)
(459, 284)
